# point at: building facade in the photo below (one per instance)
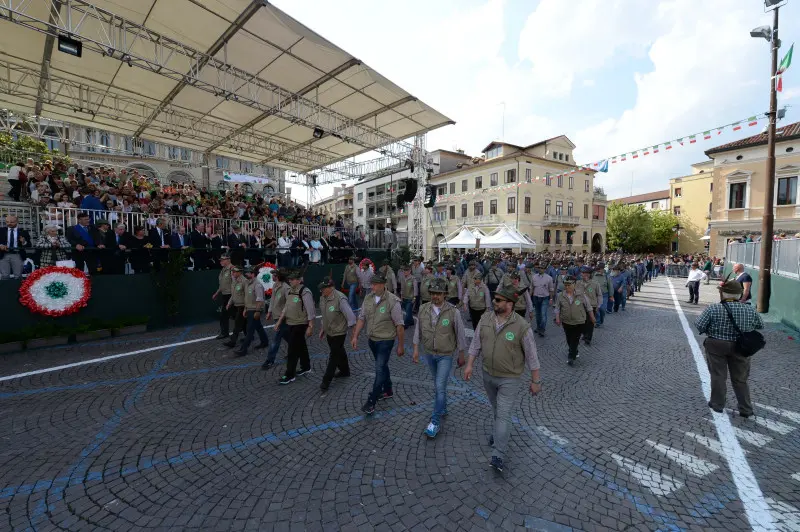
(739, 177)
(651, 201)
(340, 203)
(517, 186)
(691, 200)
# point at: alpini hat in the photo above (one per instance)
(438, 285)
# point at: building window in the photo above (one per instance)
(560, 156)
(548, 180)
(559, 208)
(569, 209)
(493, 206)
(569, 237)
(787, 190)
(361, 212)
(105, 141)
(571, 182)
(150, 149)
(586, 210)
(371, 212)
(493, 180)
(360, 196)
(547, 206)
(678, 192)
(547, 236)
(478, 182)
(738, 193)
(555, 155)
(442, 190)
(464, 185)
(511, 205)
(494, 152)
(558, 236)
(585, 238)
(711, 187)
(566, 157)
(654, 205)
(527, 175)
(586, 185)
(676, 210)
(186, 154)
(452, 212)
(453, 187)
(527, 204)
(511, 176)
(463, 210)
(560, 181)
(477, 208)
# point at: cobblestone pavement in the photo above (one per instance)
(183, 437)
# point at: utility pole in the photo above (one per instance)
(764, 273)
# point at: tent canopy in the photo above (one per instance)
(238, 78)
(507, 237)
(464, 238)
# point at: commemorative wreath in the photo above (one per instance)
(266, 278)
(55, 291)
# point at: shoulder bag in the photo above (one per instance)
(748, 343)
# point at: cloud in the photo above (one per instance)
(588, 83)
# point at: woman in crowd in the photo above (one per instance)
(53, 247)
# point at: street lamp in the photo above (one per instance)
(767, 222)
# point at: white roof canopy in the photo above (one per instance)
(239, 78)
(464, 238)
(507, 237)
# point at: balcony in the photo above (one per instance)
(480, 220)
(561, 219)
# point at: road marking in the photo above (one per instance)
(709, 443)
(755, 507)
(109, 357)
(694, 465)
(775, 426)
(794, 416)
(657, 483)
(785, 514)
(544, 431)
(796, 476)
(753, 438)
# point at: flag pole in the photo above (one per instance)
(767, 223)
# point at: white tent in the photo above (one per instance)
(507, 237)
(465, 238)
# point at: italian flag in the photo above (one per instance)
(692, 139)
(737, 126)
(752, 121)
(667, 145)
(786, 62)
(613, 160)
(646, 151)
(706, 135)
(624, 157)
(635, 154)
(655, 149)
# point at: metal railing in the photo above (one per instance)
(785, 256)
(561, 219)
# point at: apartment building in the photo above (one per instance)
(340, 203)
(739, 177)
(530, 188)
(691, 200)
(651, 201)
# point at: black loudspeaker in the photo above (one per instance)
(401, 201)
(430, 196)
(411, 189)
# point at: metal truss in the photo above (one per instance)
(416, 241)
(114, 36)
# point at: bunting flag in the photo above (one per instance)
(706, 135)
(737, 126)
(636, 155)
(680, 141)
(692, 139)
(667, 145)
(655, 149)
(786, 62)
(613, 160)
(752, 121)
(646, 151)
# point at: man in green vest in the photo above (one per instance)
(280, 291)
(505, 341)
(224, 294)
(589, 287)
(350, 282)
(235, 305)
(604, 281)
(424, 286)
(253, 307)
(381, 314)
(299, 315)
(477, 299)
(441, 330)
(391, 279)
(572, 310)
(454, 288)
(408, 293)
(337, 318)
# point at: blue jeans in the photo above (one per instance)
(440, 366)
(600, 314)
(352, 298)
(254, 327)
(408, 312)
(281, 333)
(381, 350)
(620, 298)
(540, 308)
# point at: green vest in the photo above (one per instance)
(588, 288)
(278, 299)
(477, 301)
(438, 339)
(602, 280)
(468, 276)
(571, 313)
(350, 276)
(494, 276)
(225, 281)
(425, 294)
(503, 354)
(237, 291)
(295, 312)
(522, 303)
(452, 287)
(334, 322)
(379, 316)
(251, 289)
(407, 288)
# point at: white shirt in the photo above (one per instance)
(284, 243)
(696, 275)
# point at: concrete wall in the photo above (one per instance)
(784, 303)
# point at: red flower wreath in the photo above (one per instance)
(368, 263)
(55, 291)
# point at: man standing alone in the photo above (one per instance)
(505, 340)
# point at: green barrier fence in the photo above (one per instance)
(784, 301)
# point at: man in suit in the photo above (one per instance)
(201, 243)
(13, 241)
(116, 255)
(160, 239)
(83, 245)
(180, 240)
(237, 243)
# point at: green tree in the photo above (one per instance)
(664, 223)
(630, 227)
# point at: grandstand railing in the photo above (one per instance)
(785, 256)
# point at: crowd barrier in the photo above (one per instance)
(785, 256)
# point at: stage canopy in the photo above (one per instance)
(465, 238)
(238, 78)
(507, 238)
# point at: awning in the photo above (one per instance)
(465, 238)
(507, 237)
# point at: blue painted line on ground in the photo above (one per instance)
(80, 468)
(161, 376)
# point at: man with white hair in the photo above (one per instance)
(13, 241)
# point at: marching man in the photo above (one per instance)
(441, 330)
(337, 318)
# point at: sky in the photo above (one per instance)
(612, 75)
